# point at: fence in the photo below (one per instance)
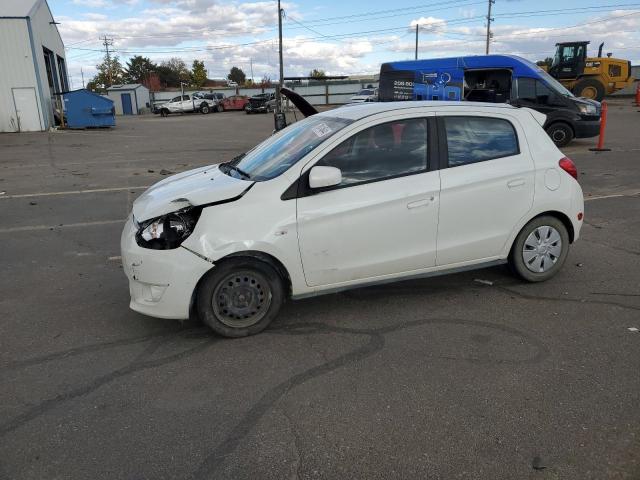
(324, 94)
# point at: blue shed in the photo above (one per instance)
(86, 109)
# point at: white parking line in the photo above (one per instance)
(31, 228)
(602, 197)
(73, 192)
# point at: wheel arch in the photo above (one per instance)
(264, 257)
(563, 217)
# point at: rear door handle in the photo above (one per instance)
(518, 182)
(420, 203)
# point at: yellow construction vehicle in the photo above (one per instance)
(590, 77)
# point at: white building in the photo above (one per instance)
(129, 99)
(32, 66)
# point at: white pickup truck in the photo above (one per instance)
(186, 104)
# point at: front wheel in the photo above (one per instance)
(589, 88)
(240, 297)
(560, 133)
(164, 112)
(540, 249)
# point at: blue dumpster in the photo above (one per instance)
(85, 109)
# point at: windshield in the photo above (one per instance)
(282, 150)
(554, 84)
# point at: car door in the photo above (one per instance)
(487, 177)
(382, 219)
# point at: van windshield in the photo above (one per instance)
(284, 149)
(554, 84)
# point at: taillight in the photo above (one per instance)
(568, 166)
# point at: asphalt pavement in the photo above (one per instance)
(471, 376)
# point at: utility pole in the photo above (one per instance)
(82, 74)
(417, 27)
(281, 81)
(107, 42)
(489, 20)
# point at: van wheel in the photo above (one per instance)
(560, 133)
(540, 249)
(589, 88)
(240, 297)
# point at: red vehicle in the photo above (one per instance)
(235, 102)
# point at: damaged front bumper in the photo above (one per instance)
(161, 282)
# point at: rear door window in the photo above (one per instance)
(478, 139)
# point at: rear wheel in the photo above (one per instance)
(240, 297)
(540, 249)
(560, 133)
(589, 88)
(204, 108)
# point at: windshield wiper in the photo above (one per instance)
(241, 172)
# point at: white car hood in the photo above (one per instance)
(191, 188)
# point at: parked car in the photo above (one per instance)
(184, 104)
(262, 103)
(214, 99)
(365, 95)
(235, 102)
(370, 194)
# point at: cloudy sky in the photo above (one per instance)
(337, 36)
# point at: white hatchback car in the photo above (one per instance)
(374, 193)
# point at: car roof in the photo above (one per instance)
(362, 110)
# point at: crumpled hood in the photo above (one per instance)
(191, 188)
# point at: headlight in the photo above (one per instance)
(587, 109)
(169, 231)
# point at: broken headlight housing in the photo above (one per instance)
(168, 231)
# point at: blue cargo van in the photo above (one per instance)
(497, 79)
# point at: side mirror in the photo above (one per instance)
(320, 177)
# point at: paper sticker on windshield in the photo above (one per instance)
(321, 130)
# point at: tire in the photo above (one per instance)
(240, 297)
(204, 108)
(589, 88)
(560, 133)
(535, 265)
(164, 112)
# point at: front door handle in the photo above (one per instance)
(420, 203)
(518, 182)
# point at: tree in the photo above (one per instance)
(317, 73)
(109, 73)
(138, 69)
(266, 82)
(547, 61)
(237, 75)
(173, 71)
(198, 74)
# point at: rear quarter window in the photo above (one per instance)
(478, 139)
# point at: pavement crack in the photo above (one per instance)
(214, 461)
(138, 364)
(526, 296)
(94, 347)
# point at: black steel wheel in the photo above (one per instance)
(240, 297)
